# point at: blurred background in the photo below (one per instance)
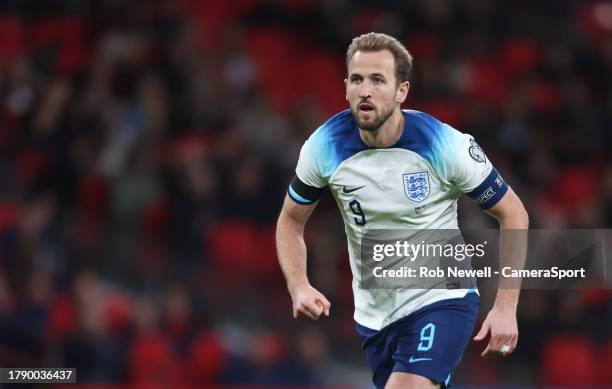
(146, 148)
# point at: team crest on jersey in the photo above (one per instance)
(416, 186)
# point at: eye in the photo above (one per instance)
(378, 80)
(355, 80)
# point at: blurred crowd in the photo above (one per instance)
(146, 148)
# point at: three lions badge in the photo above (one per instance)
(416, 186)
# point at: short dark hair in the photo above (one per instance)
(375, 41)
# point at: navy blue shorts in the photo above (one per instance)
(429, 342)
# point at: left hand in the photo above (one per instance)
(504, 331)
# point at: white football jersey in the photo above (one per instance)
(414, 184)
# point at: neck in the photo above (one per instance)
(387, 134)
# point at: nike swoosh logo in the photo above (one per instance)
(413, 359)
(351, 190)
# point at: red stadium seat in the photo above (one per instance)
(118, 314)
(69, 35)
(206, 358)
(151, 361)
(8, 215)
(73, 58)
(242, 247)
(154, 218)
(448, 111)
(518, 56)
(569, 361)
(486, 84)
(423, 46)
(320, 76)
(214, 16)
(12, 38)
(573, 187)
(366, 19)
(605, 379)
(93, 197)
(545, 97)
(271, 50)
(594, 299)
(46, 31)
(63, 318)
(31, 163)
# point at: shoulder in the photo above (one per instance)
(333, 142)
(425, 135)
(435, 141)
(338, 126)
(338, 137)
(425, 130)
(421, 119)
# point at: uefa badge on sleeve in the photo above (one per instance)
(476, 152)
(416, 186)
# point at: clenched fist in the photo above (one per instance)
(309, 302)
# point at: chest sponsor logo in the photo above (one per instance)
(416, 186)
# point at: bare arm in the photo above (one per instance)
(291, 251)
(513, 224)
(501, 320)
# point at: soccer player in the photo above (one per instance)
(369, 156)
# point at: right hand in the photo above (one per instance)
(309, 302)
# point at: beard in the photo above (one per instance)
(374, 123)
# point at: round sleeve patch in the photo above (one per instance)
(476, 152)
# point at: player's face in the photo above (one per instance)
(371, 88)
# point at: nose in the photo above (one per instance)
(365, 90)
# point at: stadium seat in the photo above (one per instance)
(518, 56)
(242, 247)
(423, 45)
(215, 16)
(271, 50)
(321, 76)
(545, 97)
(207, 358)
(569, 360)
(605, 378)
(93, 197)
(573, 187)
(63, 318)
(154, 218)
(486, 85)
(448, 111)
(12, 38)
(8, 215)
(151, 360)
(118, 315)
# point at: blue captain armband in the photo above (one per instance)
(490, 191)
(302, 193)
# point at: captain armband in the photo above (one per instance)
(302, 193)
(490, 191)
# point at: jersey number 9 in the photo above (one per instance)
(357, 211)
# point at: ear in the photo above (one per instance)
(402, 92)
(345, 89)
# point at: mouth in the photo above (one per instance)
(365, 107)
